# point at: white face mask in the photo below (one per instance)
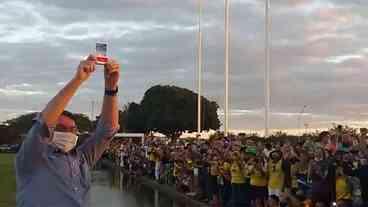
(65, 141)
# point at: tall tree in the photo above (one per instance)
(11, 130)
(134, 118)
(171, 110)
(122, 118)
(5, 137)
(16, 127)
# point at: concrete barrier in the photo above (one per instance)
(168, 191)
(171, 192)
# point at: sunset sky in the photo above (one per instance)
(319, 55)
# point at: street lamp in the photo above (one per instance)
(299, 119)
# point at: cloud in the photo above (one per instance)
(238, 112)
(33, 26)
(61, 83)
(9, 113)
(343, 58)
(318, 54)
(260, 112)
(23, 89)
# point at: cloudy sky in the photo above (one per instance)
(319, 55)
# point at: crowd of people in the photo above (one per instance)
(330, 170)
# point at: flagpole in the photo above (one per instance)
(267, 68)
(227, 40)
(199, 129)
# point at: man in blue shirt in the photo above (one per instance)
(51, 170)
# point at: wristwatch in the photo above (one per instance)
(112, 92)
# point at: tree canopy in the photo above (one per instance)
(83, 122)
(170, 110)
(11, 130)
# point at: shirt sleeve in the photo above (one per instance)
(98, 142)
(34, 146)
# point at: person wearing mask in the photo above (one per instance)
(50, 169)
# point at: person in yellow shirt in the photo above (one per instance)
(258, 180)
(158, 164)
(299, 170)
(152, 159)
(343, 188)
(276, 174)
(225, 167)
(213, 184)
(237, 181)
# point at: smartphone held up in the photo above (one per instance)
(101, 53)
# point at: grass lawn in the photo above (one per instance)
(7, 180)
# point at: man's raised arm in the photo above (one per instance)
(110, 108)
(57, 105)
(39, 135)
(108, 123)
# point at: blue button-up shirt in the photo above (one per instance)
(48, 178)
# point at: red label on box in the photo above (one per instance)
(102, 59)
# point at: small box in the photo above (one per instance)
(101, 53)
